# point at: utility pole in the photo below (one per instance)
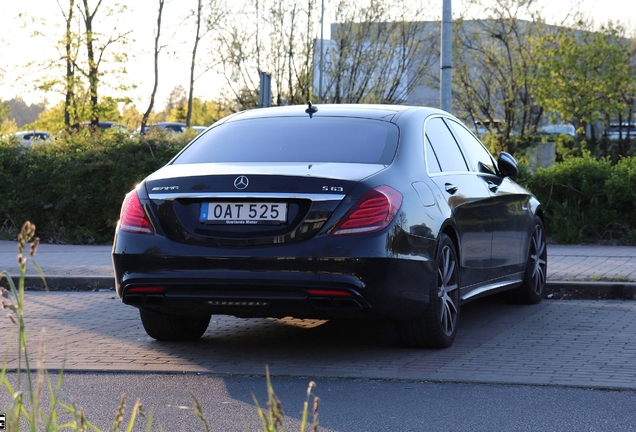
(265, 90)
(322, 50)
(446, 58)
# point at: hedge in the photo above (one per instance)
(72, 189)
(588, 200)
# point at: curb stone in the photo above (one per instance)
(591, 290)
(555, 289)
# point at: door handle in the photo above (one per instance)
(450, 188)
(493, 187)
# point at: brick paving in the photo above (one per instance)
(589, 343)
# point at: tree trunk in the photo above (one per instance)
(70, 69)
(93, 71)
(193, 64)
(144, 119)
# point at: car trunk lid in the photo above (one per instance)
(250, 203)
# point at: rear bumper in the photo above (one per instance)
(194, 280)
(246, 294)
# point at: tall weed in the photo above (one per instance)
(33, 385)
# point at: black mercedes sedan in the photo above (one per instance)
(329, 211)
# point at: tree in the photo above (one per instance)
(22, 113)
(178, 97)
(377, 54)
(7, 125)
(52, 119)
(197, 38)
(286, 53)
(93, 65)
(492, 72)
(70, 60)
(202, 113)
(95, 54)
(80, 70)
(580, 74)
(157, 49)
(213, 13)
(131, 117)
(4, 110)
(628, 96)
(627, 92)
(290, 48)
(67, 46)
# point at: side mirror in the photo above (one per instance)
(507, 165)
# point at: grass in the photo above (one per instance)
(37, 404)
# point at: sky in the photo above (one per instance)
(18, 48)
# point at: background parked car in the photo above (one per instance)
(109, 125)
(557, 129)
(199, 129)
(483, 127)
(168, 127)
(620, 131)
(32, 137)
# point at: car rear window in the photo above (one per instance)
(296, 139)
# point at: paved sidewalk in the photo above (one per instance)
(591, 263)
(91, 265)
(62, 265)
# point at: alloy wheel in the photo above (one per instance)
(538, 260)
(447, 290)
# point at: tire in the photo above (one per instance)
(436, 327)
(532, 288)
(167, 327)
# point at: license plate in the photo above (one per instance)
(244, 213)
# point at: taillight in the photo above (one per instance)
(146, 290)
(334, 293)
(373, 212)
(133, 217)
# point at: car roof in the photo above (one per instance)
(370, 111)
(22, 133)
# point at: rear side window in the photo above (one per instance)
(477, 152)
(432, 164)
(448, 154)
(296, 139)
(35, 136)
(176, 128)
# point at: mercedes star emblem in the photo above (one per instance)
(241, 182)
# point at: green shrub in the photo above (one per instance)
(621, 191)
(574, 196)
(76, 185)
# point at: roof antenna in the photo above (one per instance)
(311, 110)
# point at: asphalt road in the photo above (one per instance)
(352, 405)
